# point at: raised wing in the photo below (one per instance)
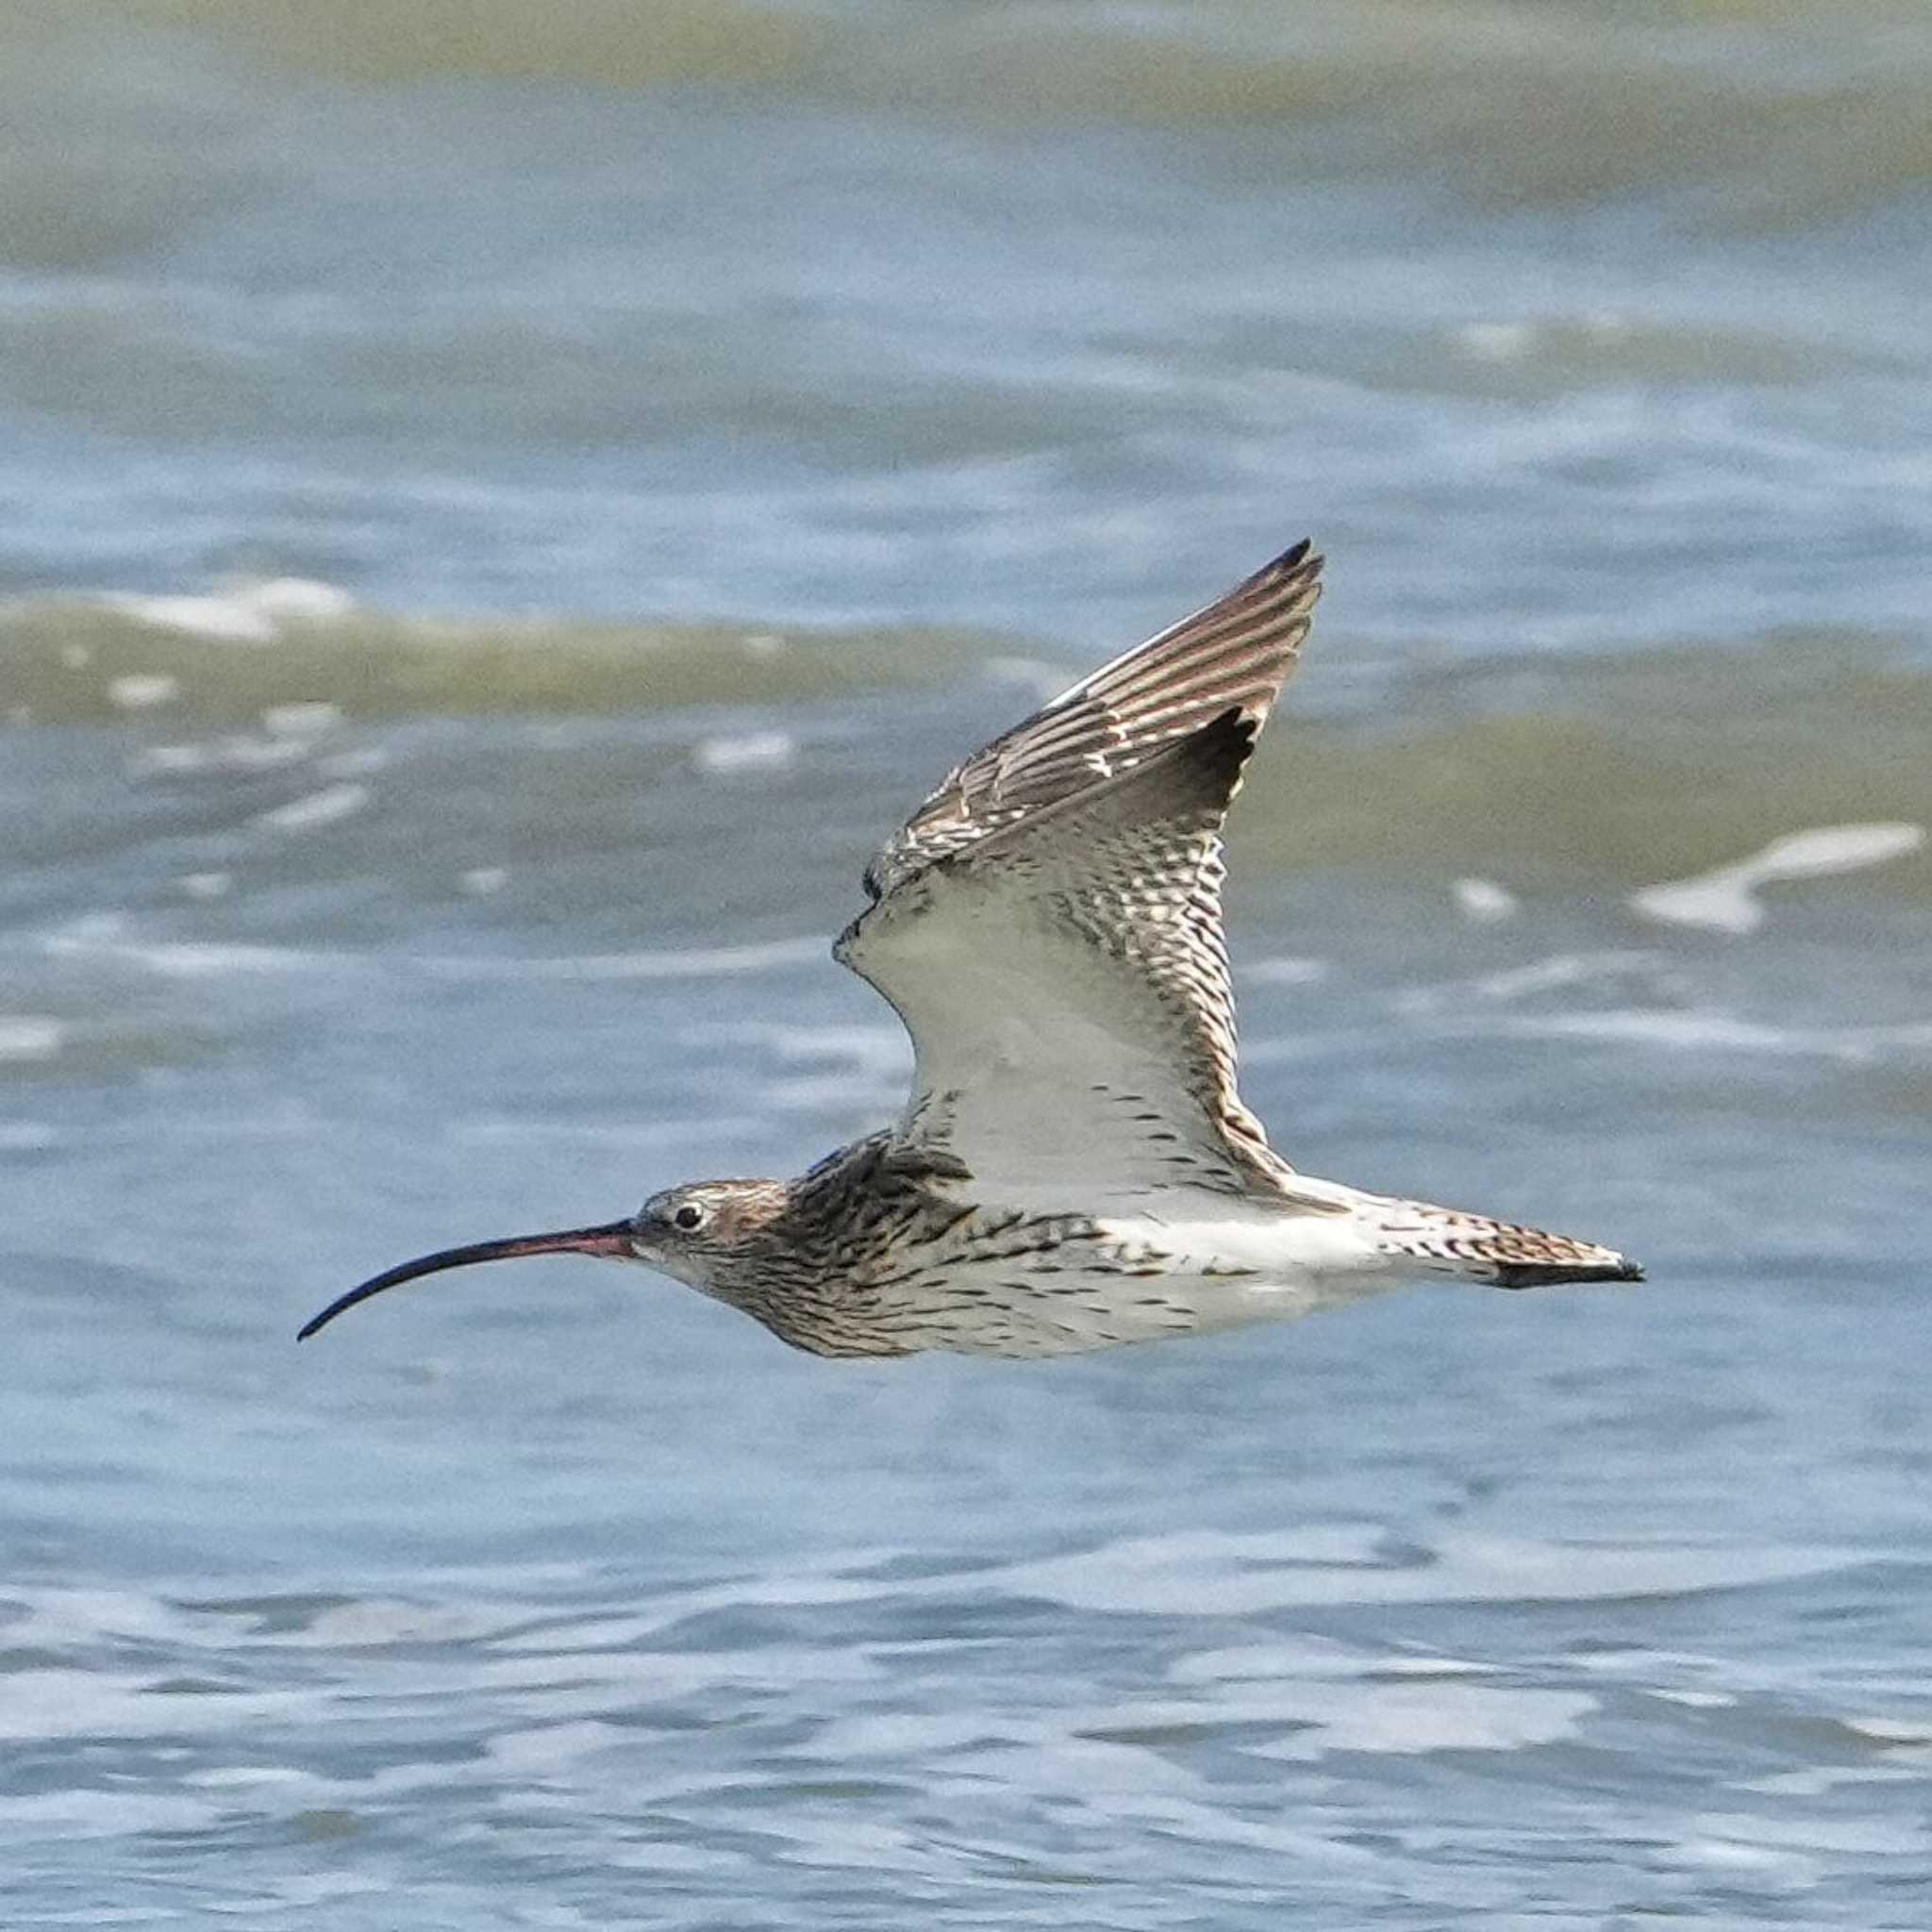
(1048, 922)
(1237, 652)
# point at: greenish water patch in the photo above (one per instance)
(69, 660)
(1627, 769)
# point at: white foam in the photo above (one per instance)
(746, 751)
(380, 1620)
(1724, 899)
(143, 692)
(1725, 1032)
(207, 885)
(236, 754)
(1413, 1719)
(221, 1778)
(30, 1036)
(1497, 342)
(1892, 1731)
(301, 600)
(1559, 972)
(1311, 1657)
(104, 936)
(65, 1619)
(78, 1812)
(1816, 1780)
(207, 617)
(61, 1702)
(302, 720)
(481, 880)
(1216, 1573)
(1085, 1749)
(323, 807)
(179, 959)
(1484, 901)
(253, 613)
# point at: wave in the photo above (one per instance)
(1775, 112)
(294, 659)
(1669, 776)
(1680, 768)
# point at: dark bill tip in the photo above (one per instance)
(611, 1239)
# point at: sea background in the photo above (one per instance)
(502, 505)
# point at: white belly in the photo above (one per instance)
(1138, 1279)
(1252, 1271)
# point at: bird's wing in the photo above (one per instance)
(1048, 922)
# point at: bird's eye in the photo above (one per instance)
(689, 1215)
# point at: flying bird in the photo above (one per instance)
(1075, 1168)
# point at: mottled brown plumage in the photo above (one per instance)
(1075, 1168)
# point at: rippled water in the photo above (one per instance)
(502, 507)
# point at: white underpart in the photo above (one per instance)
(1230, 1272)
(1152, 1276)
(1028, 1033)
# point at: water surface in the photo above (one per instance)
(501, 509)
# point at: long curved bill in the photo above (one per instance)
(612, 1239)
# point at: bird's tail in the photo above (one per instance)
(1444, 1241)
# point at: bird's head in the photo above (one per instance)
(693, 1233)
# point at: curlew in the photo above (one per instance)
(1075, 1168)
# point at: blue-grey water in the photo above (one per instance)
(502, 505)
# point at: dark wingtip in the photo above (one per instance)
(1220, 749)
(1300, 563)
(1238, 730)
(1297, 556)
(1556, 1273)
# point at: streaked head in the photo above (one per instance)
(685, 1232)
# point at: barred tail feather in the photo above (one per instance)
(1442, 1241)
